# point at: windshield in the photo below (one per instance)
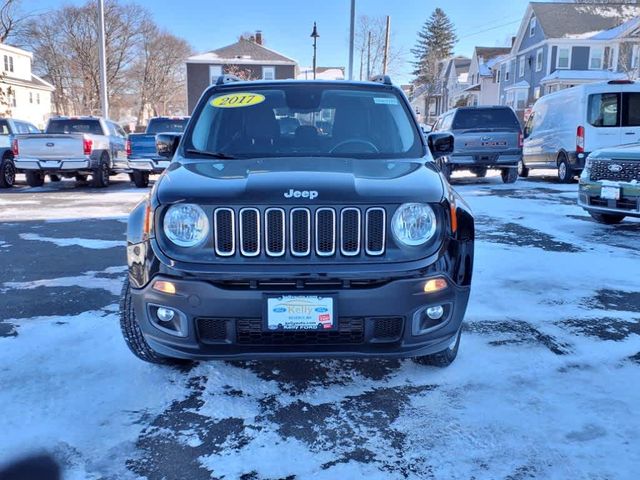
(485, 118)
(74, 126)
(306, 120)
(169, 125)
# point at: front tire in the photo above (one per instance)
(522, 170)
(133, 334)
(607, 218)
(7, 173)
(140, 179)
(100, 177)
(565, 172)
(509, 175)
(445, 357)
(35, 179)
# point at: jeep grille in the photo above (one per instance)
(299, 231)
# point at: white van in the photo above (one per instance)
(565, 126)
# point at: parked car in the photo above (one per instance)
(141, 148)
(485, 137)
(73, 147)
(9, 128)
(610, 184)
(565, 126)
(253, 245)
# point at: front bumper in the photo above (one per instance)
(223, 322)
(629, 203)
(485, 159)
(151, 165)
(46, 166)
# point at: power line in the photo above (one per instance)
(488, 29)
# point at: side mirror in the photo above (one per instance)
(440, 144)
(167, 144)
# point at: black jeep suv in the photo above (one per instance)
(299, 219)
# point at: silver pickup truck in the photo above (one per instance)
(72, 147)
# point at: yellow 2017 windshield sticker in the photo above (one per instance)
(237, 100)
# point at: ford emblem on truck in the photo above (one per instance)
(615, 168)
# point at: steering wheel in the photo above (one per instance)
(366, 143)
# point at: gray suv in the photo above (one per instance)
(485, 137)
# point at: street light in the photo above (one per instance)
(314, 35)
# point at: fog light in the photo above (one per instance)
(165, 314)
(434, 313)
(435, 285)
(165, 287)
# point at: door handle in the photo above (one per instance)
(630, 133)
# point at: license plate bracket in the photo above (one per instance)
(300, 313)
(610, 193)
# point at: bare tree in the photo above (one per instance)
(238, 71)
(11, 19)
(371, 58)
(159, 72)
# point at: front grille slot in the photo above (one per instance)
(325, 232)
(350, 231)
(275, 232)
(387, 328)
(212, 330)
(224, 231)
(300, 223)
(375, 231)
(318, 232)
(350, 331)
(249, 232)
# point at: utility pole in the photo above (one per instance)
(361, 62)
(352, 34)
(104, 100)
(369, 56)
(386, 46)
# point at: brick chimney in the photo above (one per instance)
(259, 37)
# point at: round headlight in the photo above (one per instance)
(413, 224)
(186, 225)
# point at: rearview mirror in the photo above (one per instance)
(440, 144)
(167, 144)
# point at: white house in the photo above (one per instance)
(483, 88)
(27, 96)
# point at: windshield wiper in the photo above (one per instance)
(221, 155)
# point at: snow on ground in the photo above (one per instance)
(544, 386)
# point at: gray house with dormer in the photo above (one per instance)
(560, 45)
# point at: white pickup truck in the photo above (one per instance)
(72, 147)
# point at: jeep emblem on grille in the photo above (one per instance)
(310, 194)
(485, 139)
(50, 144)
(615, 168)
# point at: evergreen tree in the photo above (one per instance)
(436, 40)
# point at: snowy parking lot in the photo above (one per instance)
(545, 385)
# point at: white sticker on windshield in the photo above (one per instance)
(385, 100)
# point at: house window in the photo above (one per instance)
(30, 97)
(6, 63)
(532, 26)
(564, 57)
(635, 58)
(521, 66)
(498, 76)
(268, 73)
(11, 64)
(13, 99)
(595, 58)
(507, 71)
(38, 98)
(539, 56)
(214, 72)
(536, 93)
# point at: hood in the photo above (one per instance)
(623, 152)
(299, 180)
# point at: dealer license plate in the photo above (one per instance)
(610, 193)
(300, 312)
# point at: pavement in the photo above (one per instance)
(545, 385)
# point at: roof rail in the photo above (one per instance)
(386, 79)
(621, 82)
(222, 79)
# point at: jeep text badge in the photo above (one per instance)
(310, 194)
